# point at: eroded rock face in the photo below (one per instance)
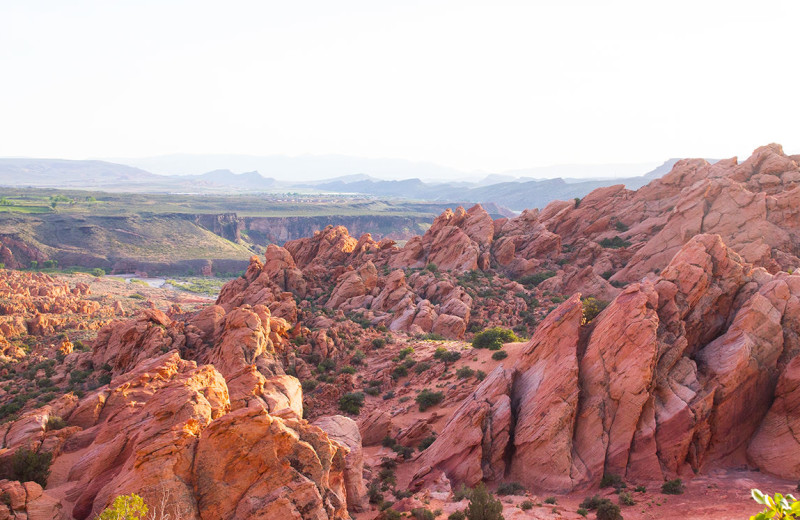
(345, 431)
(676, 375)
(165, 430)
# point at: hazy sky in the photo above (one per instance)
(490, 85)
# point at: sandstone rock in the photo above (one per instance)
(345, 431)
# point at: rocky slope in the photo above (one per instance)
(230, 411)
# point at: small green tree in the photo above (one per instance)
(30, 466)
(125, 507)
(483, 506)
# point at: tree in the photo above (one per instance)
(483, 506)
(125, 507)
(30, 466)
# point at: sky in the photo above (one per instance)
(477, 86)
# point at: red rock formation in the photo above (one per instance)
(675, 376)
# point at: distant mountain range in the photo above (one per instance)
(504, 190)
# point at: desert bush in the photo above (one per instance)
(510, 488)
(594, 502)
(125, 507)
(405, 352)
(535, 279)
(432, 336)
(500, 355)
(614, 243)
(378, 343)
(672, 487)
(427, 399)
(465, 373)
(626, 499)
(457, 515)
(445, 355)
(351, 402)
(98, 272)
(425, 443)
(374, 391)
(483, 506)
(422, 367)
(55, 422)
(612, 480)
(592, 307)
(582, 511)
(30, 466)
(550, 500)
(608, 511)
(399, 371)
(420, 513)
(640, 489)
(493, 338)
(461, 492)
(432, 267)
(526, 505)
(309, 385)
(480, 375)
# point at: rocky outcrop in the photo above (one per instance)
(165, 429)
(675, 376)
(345, 431)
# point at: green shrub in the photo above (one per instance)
(347, 369)
(778, 506)
(483, 506)
(626, 499)
(427, 399)
(420, 513)
(640, 489)
(620, 226)
(608, 511)
(614, 243)
(465, 373)
(493, 338)
(426, 442)
(358, 357)
(55, 422)
(533, 280)
(351, 402)
(526, 505)
(550, 500)
(457, 515)
(378, 343)
(611, 480)
(309, 385)
(374, 391)
(98, 272)
(422, 367)
(592, 307)
(30, 466)
(399, 371)
(672, 487)
(405, 352)
(432, 267)
(432, 336)
(500, 355)
(594, 502)
(510, 488)
(404, 451)
(461, 493)
(125, 507)
(582, 511)
(445, 355)
(480, 375)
